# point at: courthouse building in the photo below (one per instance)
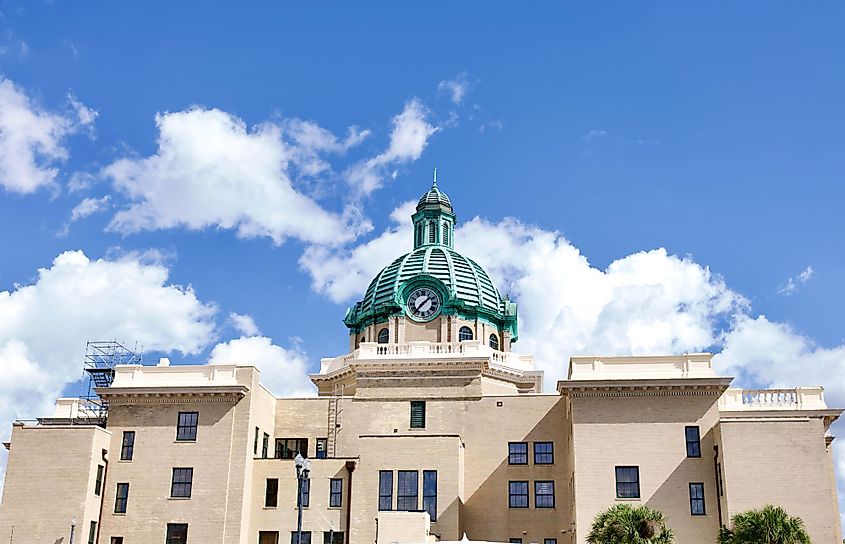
(432, 428)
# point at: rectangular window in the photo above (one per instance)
(186, 429)
(627, 482)
(332, 537)
(544, 453)
(98, 482)
(265, 446)
(430, 493)
(306, 493)
(517, 453)
(696, 499)
(121, 497)
(417, 414)
(407, 492)
(287, 448)
(255, 443)
(544, 494)
(92, 532)
(549, 541)
(322, 448)
(335, 492)
(385, 490)
(693, 442)
(306, 537)
(517, 494)
(271, 493)
(180, 486)
(268, 537)
(116, 540)
(127, 447)
(515, 540)
(177, 533)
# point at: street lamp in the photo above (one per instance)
(303, 468)
(72, 527)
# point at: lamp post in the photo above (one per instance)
(72, 527)
(303, 468)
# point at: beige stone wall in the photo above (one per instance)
(648, 432)
(50, 479)
(781, 461)
(214, 508)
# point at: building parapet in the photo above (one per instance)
(664, 367)
(164, 375)
(418, 350)
(798, 398)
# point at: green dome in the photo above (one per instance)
(464, 279)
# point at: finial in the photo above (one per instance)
(434, 185)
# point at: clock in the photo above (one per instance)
(423, 304)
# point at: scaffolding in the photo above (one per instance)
(100, 360)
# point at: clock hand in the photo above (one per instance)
(420, 301)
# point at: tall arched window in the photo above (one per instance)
(464, 333)
(494, 341)
(383, 336)
(445, 234)
(432, 232)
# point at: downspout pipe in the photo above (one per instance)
(350, 468)
(105, 453)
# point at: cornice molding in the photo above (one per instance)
(172, 395)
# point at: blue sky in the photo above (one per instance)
(603, 130)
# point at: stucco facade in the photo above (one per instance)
(420, 434)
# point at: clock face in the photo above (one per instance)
(423, 304)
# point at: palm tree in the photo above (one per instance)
(769, 525)
(622, 524)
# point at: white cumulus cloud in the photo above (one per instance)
(210, 170)
(409, 137)
(244, 324)
(33, 140)
(283, 371)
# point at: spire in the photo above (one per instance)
(434, 184)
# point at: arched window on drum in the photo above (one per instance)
(383, 336)
(494, 341)
(464, 333)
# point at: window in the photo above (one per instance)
(464, 333)
(287, 448)
(116, 540)
(181, 483)
(121, 497)
(693, 442)
(430, 493)
(265, 445)
(385, 490)
(417, 414)
(187, 427)
(544, 453)
(306, 537)
(177, 533)
(445, 234)
(255, 444)
(408, 490)
(517, 494)
(515, 540)
(544, 494)
(332, 537)
(268, 537)
(517, 453)
(696, 499)
(271, 493)
(322, 448)
(306, 493)
(98, 483)
(92, 533)
(549, 541)
(419, 234)
(494, 341)
(335, 492)
(383, 336)
(627, 482)
(127, 447)
(432, 233)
